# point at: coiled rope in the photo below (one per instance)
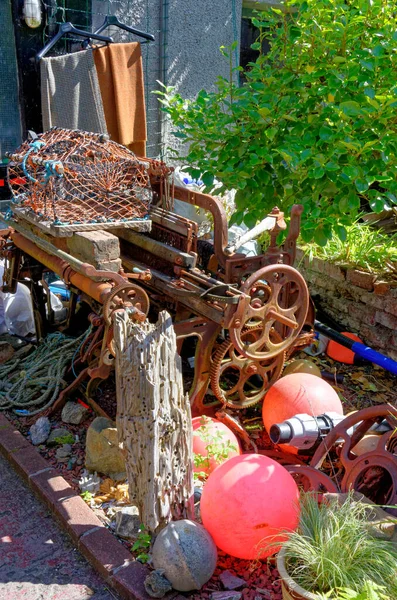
(31, 385)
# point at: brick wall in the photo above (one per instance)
(356, 300)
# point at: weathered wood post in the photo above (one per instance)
(153, 420)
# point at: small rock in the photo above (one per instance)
(102, 449)
(230, 581)
(89, 482)
(156, 584)
(79, 461)
(197, 494)
(40, 431)
(60, 433)
(74, 413)
(64, 451)
(187, 553)
(127, 523)
(197, 513)
(228, 595)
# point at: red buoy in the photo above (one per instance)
(213, 443)
(340, 353)
(298, 393)
(248, 504)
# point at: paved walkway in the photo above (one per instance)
(37, 560)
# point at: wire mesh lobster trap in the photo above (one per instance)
(77, 180)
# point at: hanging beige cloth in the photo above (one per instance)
(70, 94)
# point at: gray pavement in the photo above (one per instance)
(37, 560)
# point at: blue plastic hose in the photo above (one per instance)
(360, 349)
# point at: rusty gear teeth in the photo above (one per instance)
(269, 370)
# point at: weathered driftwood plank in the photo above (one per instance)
(153, 420)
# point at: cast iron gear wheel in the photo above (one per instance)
(126, 295)
(239, 382)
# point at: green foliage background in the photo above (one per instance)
(314, 123)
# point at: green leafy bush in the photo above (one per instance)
(315, 121)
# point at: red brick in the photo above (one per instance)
(27, 461)
(386, 319)
(76, 517)
(51, 487)
(361, 279)
(103, 551)
(381, 288)
(129, 582)
(11, 440)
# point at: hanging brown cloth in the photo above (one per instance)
(120, 75)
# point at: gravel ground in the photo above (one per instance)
(37, 560)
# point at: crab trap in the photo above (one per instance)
(65, 181)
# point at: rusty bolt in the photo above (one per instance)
(251, 369)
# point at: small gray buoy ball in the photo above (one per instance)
(187, 553)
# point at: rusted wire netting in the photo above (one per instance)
(70, 177)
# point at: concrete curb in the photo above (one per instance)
(99, 546)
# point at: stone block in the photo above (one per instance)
(95, 247)
(386, 319)
(362, 313)
(340, 305)
(317, 265)
(371, 299)
(377, 337)
(361, 279)
(392, 354)
(394, 341)
(113, 266)
(390, 305)
(334, 271)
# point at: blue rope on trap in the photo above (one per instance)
(50, 166)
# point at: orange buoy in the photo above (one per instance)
(302, 366)
(213, 443)
(298, 393)
(340, 353)
(248, 504)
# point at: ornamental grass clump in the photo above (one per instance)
(314, 122)
(364, 248)
(333, 549)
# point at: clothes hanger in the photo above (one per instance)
(66, 28)
(113, 20)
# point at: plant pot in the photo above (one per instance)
(290, 589)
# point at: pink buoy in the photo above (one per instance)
(298, 393)
(248, 505)
(214, 442)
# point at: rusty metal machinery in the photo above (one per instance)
(373, 473)
(246, 313)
